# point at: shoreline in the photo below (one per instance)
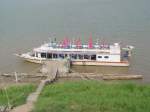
(9, 79)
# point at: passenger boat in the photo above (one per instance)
(81, 54)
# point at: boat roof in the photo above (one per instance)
(54, 47)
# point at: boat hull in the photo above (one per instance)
(34, 60)
(97, 63)
(85, 63)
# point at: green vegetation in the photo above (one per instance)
(93, 96)
(16, 94)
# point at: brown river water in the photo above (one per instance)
(25, 24)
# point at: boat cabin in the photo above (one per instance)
(109, 54)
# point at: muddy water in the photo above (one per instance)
(27, 24)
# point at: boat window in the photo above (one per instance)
(93, 57)
(43, 55)
(106, 57)
(74, 56)
(49, 55)
(86, 57)
(55, 56)
(80, 56)
(61, 56)
(99, 56)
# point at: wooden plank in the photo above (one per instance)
(122, 77)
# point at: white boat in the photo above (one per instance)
(80, 54)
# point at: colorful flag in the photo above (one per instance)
(90, 43)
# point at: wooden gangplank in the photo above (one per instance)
(32, 98)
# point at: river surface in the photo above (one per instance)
(25, 24)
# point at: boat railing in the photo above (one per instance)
(73, 46)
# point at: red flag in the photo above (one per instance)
(90, 43)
